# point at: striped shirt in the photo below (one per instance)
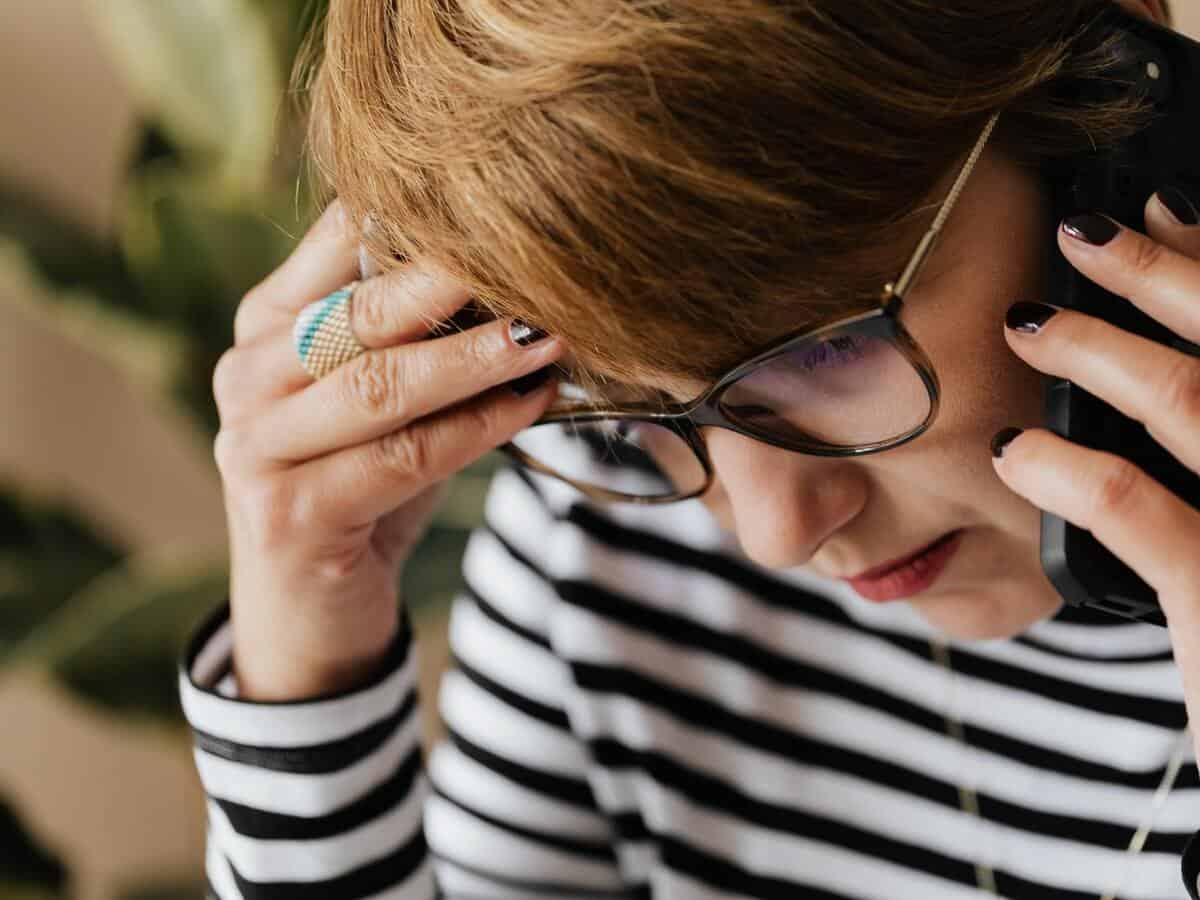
(636, 710)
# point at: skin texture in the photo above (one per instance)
(839, 517)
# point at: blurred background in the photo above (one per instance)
(149, 175)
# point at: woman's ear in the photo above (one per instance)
(1151, 10)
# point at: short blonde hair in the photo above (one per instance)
(671, 183)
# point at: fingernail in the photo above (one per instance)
(523, 335)
(1178, 205)
(1091, 228)
(527, 384)
(1028, 318)
(1003, 438)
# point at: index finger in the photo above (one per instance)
(1161, 282)
(324, 260)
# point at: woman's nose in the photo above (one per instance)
(784, 505)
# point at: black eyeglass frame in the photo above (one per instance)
(686, 419)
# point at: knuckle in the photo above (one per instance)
(232, 450)
(339, 562)
(224, 377)
(368, 311)
(246, 313)
(281, 512)
(1117, 487)
(292, 511)
(479, 347)
(1180, 391)
(415, 287)
(370, 383)
(1146, 256)
(408, 452)
(337, 209)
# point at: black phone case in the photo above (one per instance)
(1165, 66)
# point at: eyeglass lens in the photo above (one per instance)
(846, 391)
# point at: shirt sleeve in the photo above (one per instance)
(331, 797)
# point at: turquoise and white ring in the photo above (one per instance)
(322, 334)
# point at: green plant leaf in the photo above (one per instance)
(147, 352)
(194, 252)
(116, 641)
(207, 72)
(27, 870)
(196, 255)
(65, 253)
(128, 664)
(154, 147)
(291, 21)
(47, 553)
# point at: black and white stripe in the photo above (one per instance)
(637, 711)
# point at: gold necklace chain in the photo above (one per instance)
(985, 878)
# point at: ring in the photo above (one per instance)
(322, 334)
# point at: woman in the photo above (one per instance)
(683, 699)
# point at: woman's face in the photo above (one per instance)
(840, 516)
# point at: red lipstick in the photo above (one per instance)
(908, 575)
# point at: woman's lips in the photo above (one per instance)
(886, 567)
(913, 575)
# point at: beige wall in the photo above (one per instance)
(66, 117)
(1187, 15)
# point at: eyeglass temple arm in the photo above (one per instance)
(899, 288)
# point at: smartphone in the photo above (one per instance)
(1164, 66)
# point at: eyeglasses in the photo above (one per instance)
(855, 386)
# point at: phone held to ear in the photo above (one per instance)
(1165, 66)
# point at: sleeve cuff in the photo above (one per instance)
(1190, 865)
(222, 721)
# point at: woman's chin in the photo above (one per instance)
(995, 612)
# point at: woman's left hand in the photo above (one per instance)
(1149, 528)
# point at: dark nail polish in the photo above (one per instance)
(527, 384)
(1028, 318)
(1003, 438)
(1178, 205)
(523, 335)
(1092, 228)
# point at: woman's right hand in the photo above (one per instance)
(329, 484)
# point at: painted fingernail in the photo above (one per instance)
(1178, 205)
(1028, 318)
(1091, 228)
(523, 335)
(1003, 438)
(527, 384)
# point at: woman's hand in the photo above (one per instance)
(329, 484)
(1150, 529)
